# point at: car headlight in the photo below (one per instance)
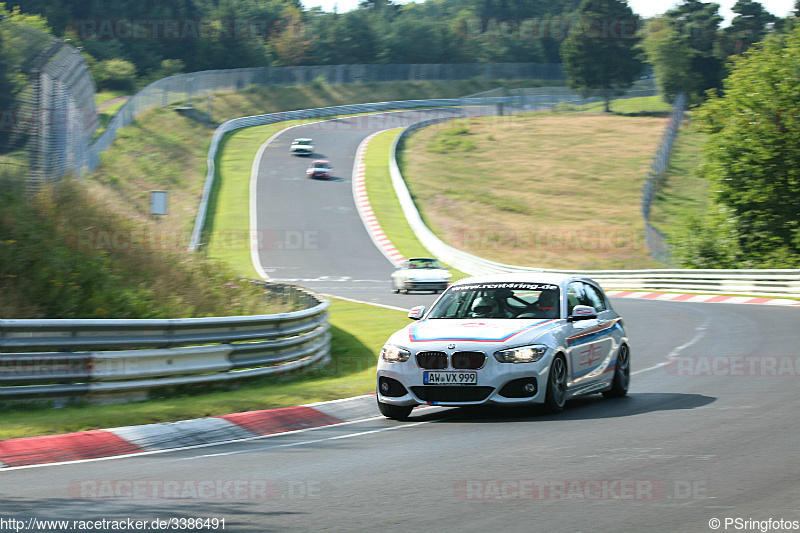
(395, 354)
(523, 354)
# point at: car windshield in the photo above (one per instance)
(499, 300)
(302, 141)
(320, 165)
(423, 263)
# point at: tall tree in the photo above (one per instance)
(600, 55)
(344, 38)
(749, 26)
(753, 154)
(290, 42)
(697, 24)
(671, 59)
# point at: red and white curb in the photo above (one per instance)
(129, 440)
(365, 208)
(701, 298)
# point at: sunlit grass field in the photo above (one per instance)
(556, 190)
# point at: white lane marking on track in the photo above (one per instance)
(701, 331)
(394, 308)
(315, 441)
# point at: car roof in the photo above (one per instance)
(422, 259)
(302, 139)
(523, 277)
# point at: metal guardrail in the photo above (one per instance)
(99, 357)
(770, 282)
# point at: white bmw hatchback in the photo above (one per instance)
(510, 339)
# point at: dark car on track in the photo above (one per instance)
(320, 168)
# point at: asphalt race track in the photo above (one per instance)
(692, 442)
(311, 232)
(709, 431)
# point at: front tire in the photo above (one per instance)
(622, 374)
(395, 412)
(556, 394)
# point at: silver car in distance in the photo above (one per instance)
(420, 274)
(509, 339)
(302, 147)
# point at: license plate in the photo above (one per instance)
(450, 378)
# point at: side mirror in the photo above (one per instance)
(416, 312)
(582, 312)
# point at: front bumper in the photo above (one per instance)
(498, 384)
(435, 285)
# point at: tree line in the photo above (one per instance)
(193, 35)
(752, 161)
(744, 85)
(130, 40)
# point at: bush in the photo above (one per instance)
(54, 264)
(707, 241)
(114, 75)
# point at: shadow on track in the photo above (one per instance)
(587, 408)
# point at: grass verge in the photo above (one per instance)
(643, 106)
(107, 104)
(227, 229)
(682, 194)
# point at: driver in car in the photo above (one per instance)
(546, 304)
(484, 307)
